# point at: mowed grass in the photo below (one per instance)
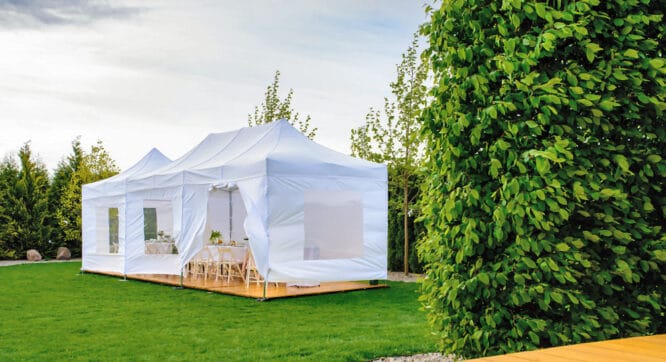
(51, 312)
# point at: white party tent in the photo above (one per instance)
(307, 212)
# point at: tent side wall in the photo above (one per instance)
(327, 228)
(137, 260)
(97, 251)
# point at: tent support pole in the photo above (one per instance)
(181, 281)
(265, 287)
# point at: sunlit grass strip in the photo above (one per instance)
(50, 311)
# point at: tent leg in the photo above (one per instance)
(124, 279)
(181, 281)
(265, 287)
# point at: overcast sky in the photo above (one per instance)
(164, 74)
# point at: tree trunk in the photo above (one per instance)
(405, 209)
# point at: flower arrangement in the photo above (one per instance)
(216, 237)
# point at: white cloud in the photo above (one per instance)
(171, 73)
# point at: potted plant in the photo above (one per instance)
(215, 237)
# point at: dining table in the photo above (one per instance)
(237, 252)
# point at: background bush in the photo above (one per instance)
(545, 205)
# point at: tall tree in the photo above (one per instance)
(273, 109)
(545, 203)
(94, 166)
(24, 204)
(8, 176)
(59, 183)
(394, 136)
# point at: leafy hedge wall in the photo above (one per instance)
(545, 206)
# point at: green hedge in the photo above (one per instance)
(545, 206)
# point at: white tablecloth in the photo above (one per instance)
(159, 248)
(237, 252)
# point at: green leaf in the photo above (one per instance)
(540, 9)
(622, 162)
(608, 105)
(631, 53)
(533, 337)
(660, 255)
(515, 21)
(495, 165)
(654, 158)
(562, 247)
(519, 279)
(529, 262)
(557, 297)
(552, 265)
(657, 63)
(483, 277)
(492, 112)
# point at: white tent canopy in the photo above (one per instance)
(308, 213)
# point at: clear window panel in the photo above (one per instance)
(149, 223)
(113, 230)
(158, 227)
(333, 224)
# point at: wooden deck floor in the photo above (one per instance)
(254, 290)
(640, 349)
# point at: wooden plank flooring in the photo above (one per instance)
(643, 349)
(254, 290)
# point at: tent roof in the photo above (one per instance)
(153, 160)
(273, 148)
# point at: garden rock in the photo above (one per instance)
(63, 253)
(33, 255)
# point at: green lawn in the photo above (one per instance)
(50, 311)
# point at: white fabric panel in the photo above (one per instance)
(193, 221)
(95, 234)
(238, 215)
(253, 193)
(286, 228)
(218, 214)
(136, 261)
(333, 223)
(107, 263)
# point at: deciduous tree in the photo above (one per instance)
(393, 137)
(94, 166)
(273, 109)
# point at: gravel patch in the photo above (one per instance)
(401, 277)
(425, 357)
(17, 262)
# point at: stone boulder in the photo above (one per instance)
(63, 253)
(33, 255)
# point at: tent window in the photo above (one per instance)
(158, 227)
(113, 230)
(333, 224)
(149, 223)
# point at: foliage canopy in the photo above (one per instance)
(545, 206)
